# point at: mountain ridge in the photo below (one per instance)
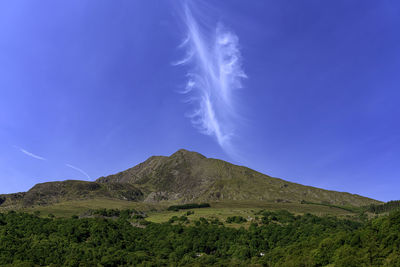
(183, 177)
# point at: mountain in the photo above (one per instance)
(183, 177)
(54, 192)
(189, 176)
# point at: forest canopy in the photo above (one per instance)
(277, 239)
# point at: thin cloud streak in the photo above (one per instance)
(30, 154)
(78, 169)
(215, 72)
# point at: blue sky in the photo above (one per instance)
(302, 90)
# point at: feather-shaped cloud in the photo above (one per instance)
(214, 73)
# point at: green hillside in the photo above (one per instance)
(189, 176)
(183, 177)
(70, 190)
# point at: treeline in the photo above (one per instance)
(276, 239)
(386, 207)
(112, 213)
(351, 209)
(188, 206)
(374, 208)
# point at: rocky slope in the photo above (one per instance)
(183, 177)
(189, 176)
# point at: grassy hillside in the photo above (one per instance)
(70, 190)
(66, 209)
(249, 210)
(183, 177)
(157, 212)
(189, 176)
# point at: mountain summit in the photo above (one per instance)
(185, 176)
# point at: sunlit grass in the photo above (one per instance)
(223, 210)
(69, 208)
(157, 212)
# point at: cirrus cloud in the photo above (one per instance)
(214, 73)
(30, 154)
(78, 169)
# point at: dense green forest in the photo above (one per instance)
(386, 207)
(273, 239)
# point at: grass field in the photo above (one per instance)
(158, 213)
(222, 210)
(69, 208)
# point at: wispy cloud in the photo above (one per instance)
(30, 154)
(214, 62)
(78, 169)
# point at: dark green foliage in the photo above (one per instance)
(386, 207)
(188, 206)
(282, 216)
(189, 212)
(216, 221)
(236, 219)
(114, 213)
(106, 212)
(287, 240)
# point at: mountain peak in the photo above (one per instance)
(186, 154)
(185, 176)
(188, 176)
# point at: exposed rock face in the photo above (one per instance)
(11, 199)
(161, 196)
